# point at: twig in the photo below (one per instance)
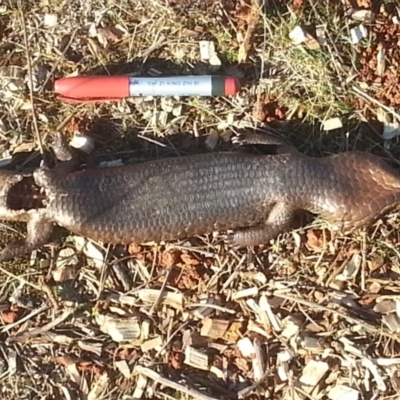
(52, 298)
(214, 306)
(28, 60)
(20, 279)
(377, 102)
(6, 328)
(157, 302)
(369, 328)
(38, 331)
(364, 258)
(155, 376)
(169, 340)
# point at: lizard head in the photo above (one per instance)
(18, 196)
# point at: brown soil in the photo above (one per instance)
(386, 35)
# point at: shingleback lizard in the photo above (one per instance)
(253, 195)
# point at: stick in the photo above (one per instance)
(28, 60)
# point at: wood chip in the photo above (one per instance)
(246, 347)
(92, 252)
(151, 344)
(12, 362)
(313, 372)
(311, 344)
(95, 348)
(252, 326)
(207, 49)
(258, 361)
(217, 372)
(291, 327)
(385, 306)
(265, 306)
(215, 62)
(366, 362)
(332, 123)
(252, 19)
(98, 387)
(50, 20)
(283, 359)
(358, 33)
(172, 299)
(249, 292)
(350, 347)
(66, 257)
(196, 358)
(254, 275)
(343, 392)
(380, 60)
(145, 330)
(214, 328)
(120, 329)
(363, 15)
(66, 261)
(232, 335)
(392, 322)
(351, 269)
(141, 384)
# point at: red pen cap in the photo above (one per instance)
(84, 89)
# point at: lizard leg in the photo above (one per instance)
(61, 148)
(250, 138)
(278, 221)
(69, 160)
(38, 234)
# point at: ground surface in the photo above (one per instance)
(312, 316)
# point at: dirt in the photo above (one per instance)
(269, 110)
(386, 36)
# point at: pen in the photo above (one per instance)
(83, 89)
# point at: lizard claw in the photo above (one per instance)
(240, 139)
(230, 239)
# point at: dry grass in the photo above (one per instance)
(287, 304)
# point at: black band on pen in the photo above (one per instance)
(217, 86)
